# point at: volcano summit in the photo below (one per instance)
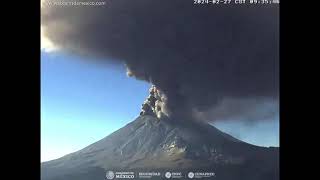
(162, 144)
(206, 60)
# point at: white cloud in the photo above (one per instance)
(46, 44)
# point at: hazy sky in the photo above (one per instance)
(83, 102)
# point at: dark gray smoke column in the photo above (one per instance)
(197, 55)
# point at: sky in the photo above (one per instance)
(83, 102)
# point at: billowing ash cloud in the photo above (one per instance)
(248, 110)
(198, 55)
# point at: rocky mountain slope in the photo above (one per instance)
(149, 143)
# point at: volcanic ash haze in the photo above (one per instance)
(199, 56)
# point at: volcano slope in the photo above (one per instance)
(151, 144)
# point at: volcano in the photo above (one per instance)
(160, 145)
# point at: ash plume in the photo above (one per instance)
(155, 104)
(197, 55)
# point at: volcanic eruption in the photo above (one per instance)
(156, 142)
(196, 58)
